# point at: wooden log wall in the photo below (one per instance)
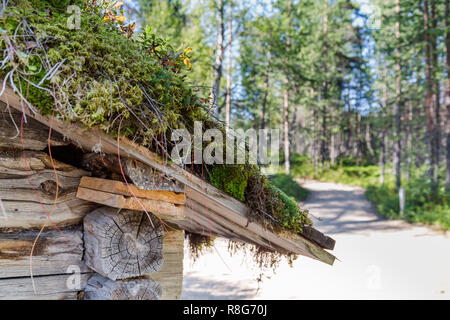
(29, 179)
(62, 253)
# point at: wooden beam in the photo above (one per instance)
(101, 288)
(54, 287)
(34, 134)
(318, 237)
(170, 276)
(54, 253)
(130, 190)
(162, 209)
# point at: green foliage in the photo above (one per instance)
(231, 179)
(421, 205)
(286, 210)
(289, 186)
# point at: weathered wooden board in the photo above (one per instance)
(33, 215)
(131, 190)
(318, 237)
(55, 287)
(28, 186)
(141, 175)
(170, 276)
(94, 138)
(54, 253)
(279, 242)
(34, 134)
(164, 210)
(101, 288)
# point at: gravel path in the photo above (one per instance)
(379, 259)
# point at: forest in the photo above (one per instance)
(360, 90)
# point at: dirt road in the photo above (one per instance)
(379, 259)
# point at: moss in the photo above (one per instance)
(286, 210)
(231, 179)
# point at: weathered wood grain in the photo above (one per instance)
(123, 244)
(131, 190)
(318, 237)
(101, 288)
(170, 276)
(55, 287)
(54, 253)
(33, 215)
(143, 176)
(35, 134)
(28, 185)
(162, 209)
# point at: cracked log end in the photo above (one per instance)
(122, 244)
(101, 288)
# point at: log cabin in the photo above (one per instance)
(71, 228)
(84, 214)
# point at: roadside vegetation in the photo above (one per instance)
(421, 205)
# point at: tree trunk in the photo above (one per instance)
(220, 49)
(397, 144)
(447, 100)
(409, 139)
(262, 118)
(230, 41)
(287, 158)
(358, 138)
(287, 164)
(436, 97)
(429, 99)
(323, 144)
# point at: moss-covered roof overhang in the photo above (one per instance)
(95, 77)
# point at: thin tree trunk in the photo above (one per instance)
(220, 49)
(436, 97)
(397, 145)
(358, 138)
(287, 158)
(325, 86)
(369, 141)
(262, 118)
(429, 98)
(409, 139)
(332, 140)
(230, 41)
(383, 131)
(447, 38)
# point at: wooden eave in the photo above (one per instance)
(208, 210)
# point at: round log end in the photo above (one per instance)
(121, 244)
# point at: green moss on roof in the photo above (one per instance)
(100, 76)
